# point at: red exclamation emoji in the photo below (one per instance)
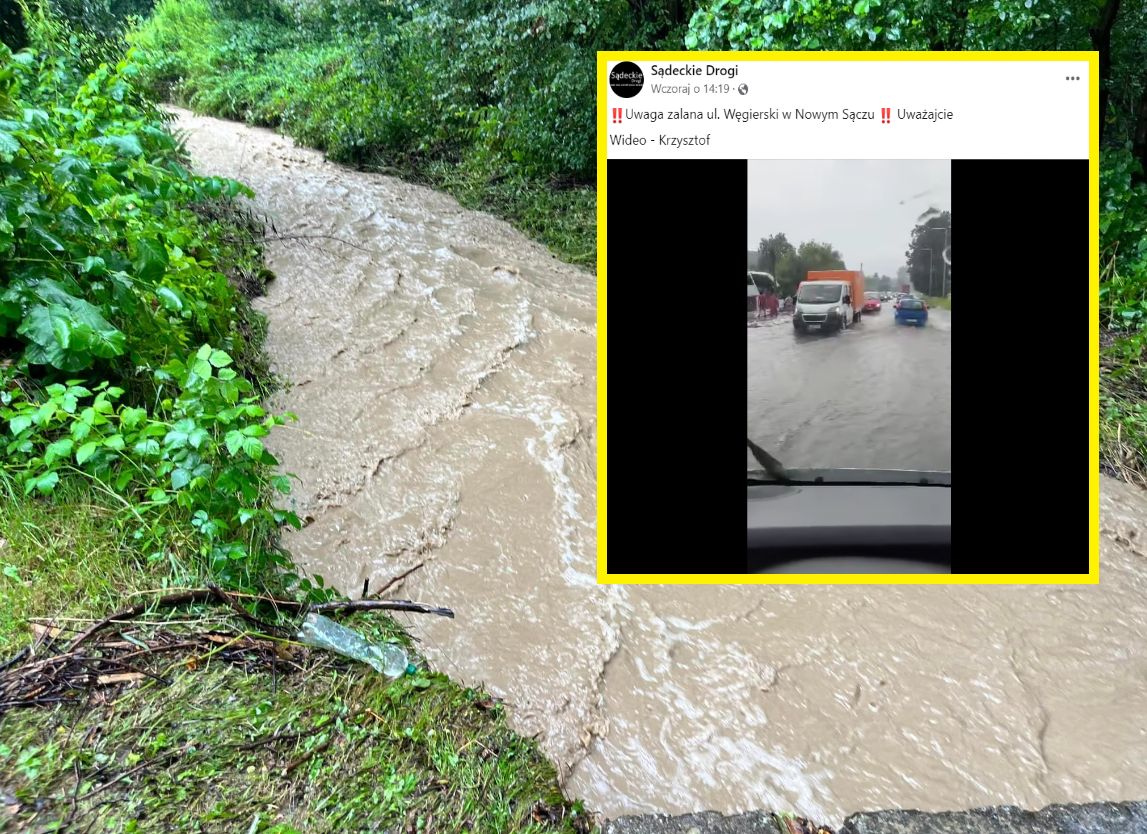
(886, 115)
(617, 115)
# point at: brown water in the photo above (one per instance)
(444, 372)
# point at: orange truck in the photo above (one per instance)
(829, 299)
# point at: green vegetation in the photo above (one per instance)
(1123, 318)
(356, 753)
(791, 264)
(129, 357)
(132, 459)
(363, 756)
(502, 118)
(65, 556)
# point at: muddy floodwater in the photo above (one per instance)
(878, 395)
(444, 373)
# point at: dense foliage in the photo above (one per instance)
(493, 102)
(128, 356)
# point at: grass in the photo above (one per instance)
(565, 220)
(1122, 373)
(1123, 407)
(359, 753)
(61, 558)
(938, 302)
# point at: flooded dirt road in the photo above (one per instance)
(444, 377)
(878, 395)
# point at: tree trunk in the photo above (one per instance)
(1101, 40)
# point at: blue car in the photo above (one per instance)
(912, 311)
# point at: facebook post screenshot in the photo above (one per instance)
(877, 450)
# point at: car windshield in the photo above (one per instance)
(819, 293)
(862, 384)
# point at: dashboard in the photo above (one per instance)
(810, 525)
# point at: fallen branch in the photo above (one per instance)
(382, 605)
(201, 595)
(396, 580)
(213, 592)
(228, 600)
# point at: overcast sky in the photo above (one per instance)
(855, 205)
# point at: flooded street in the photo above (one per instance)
(444, 375)
(878, 395)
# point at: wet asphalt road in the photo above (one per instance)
(877, 395)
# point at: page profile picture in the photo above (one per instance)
(626, 79)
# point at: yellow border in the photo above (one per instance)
(1092, 577)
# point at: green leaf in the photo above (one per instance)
(219, 359)
(67, 332)
(86, 451)
(180, 478)
(170, 299)
(150, 259)
(246, 515)
(93, 265)
(8, 144)
(61, 325)
(201, 368)
(204, 352)
(123, 480)
(234, 441)
(253, 446)
(125, 145)
(46, 483)
(19, 423)
(115, 442)
(147, 448)
(129, 418)
(59, 449)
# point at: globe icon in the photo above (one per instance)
(743, 89)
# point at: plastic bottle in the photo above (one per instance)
(387, 659)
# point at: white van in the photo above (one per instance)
(823, 305)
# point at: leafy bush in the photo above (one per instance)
(120, 328)
(195, 461)
(1123, 244)
(106, 266)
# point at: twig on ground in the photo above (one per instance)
(132, 611)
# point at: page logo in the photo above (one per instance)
(626, 79)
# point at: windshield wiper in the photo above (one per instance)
(769, 463)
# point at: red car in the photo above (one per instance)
(871, 302)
